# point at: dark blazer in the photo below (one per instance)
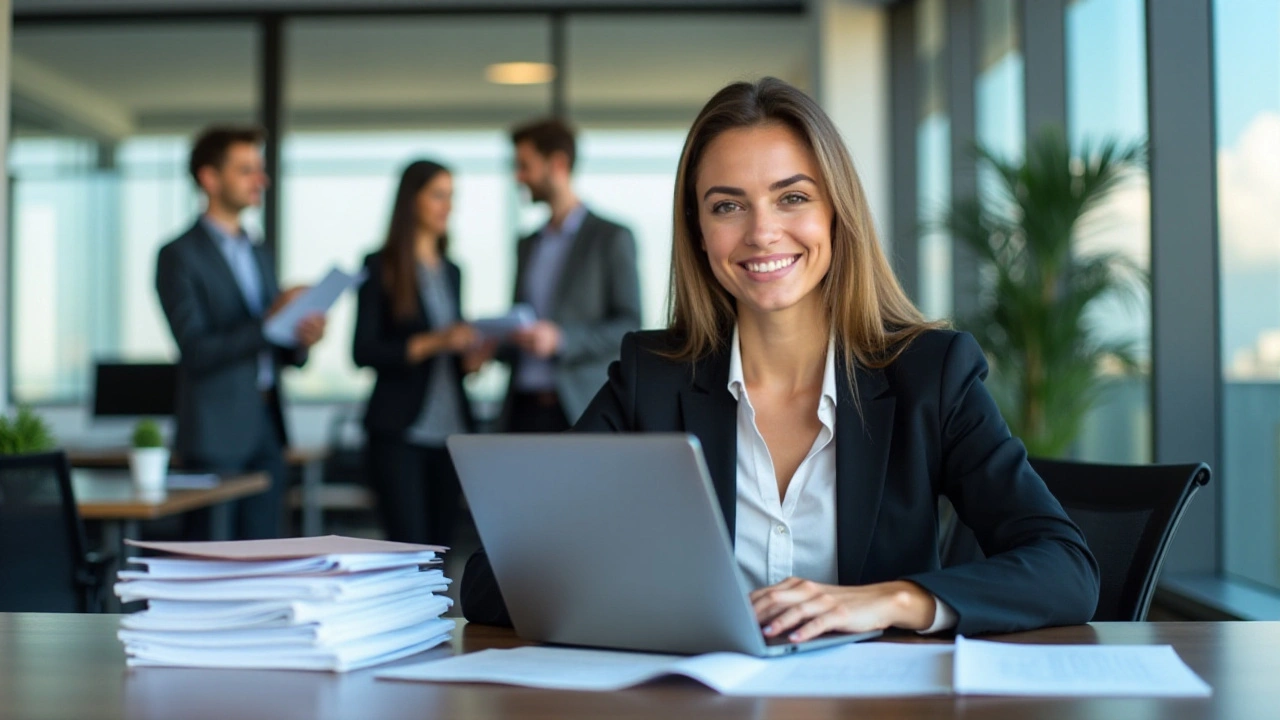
(219, 407)
(927, 427)
(596, 302)
(399, 393)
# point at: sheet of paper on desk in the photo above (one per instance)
(172, 568)
(279, 328)
(996, 668)
(861, 670)
(497, 327)
(355, 586)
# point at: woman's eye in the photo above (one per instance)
(793, 199)
(724, 206)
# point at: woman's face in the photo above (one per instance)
(765, 218)
(434, 202)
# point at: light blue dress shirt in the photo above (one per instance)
(238, 250)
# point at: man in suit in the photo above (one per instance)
(217, 288)
(579, 274)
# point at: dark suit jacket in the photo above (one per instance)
(219, 413)
(927, 427)
(596, 302)
(399, 393)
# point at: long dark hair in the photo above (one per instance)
(399, 278)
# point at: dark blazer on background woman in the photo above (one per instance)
(926, 427)
(399, 393)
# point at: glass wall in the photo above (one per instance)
(933, 156)
(1247, 81)
(102, 119)
(1106, 100)
(999, 104)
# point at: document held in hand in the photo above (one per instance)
(497, 327)
(280, 328)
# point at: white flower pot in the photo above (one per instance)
(150, 467)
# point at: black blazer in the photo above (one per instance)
(219, 408)
(400, 391)
(927, 427)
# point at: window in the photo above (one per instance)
(1247, 81)
(102, 120)
(1106, 100)
(933, 157)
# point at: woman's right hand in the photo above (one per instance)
(456, 338)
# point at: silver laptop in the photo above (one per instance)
(612, 541)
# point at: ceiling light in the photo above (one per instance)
(520, 73)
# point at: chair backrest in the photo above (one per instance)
(1128, 514)
(42, 545)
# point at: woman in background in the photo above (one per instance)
(409, 330)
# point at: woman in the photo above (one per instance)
(408, 330)
(832, 416)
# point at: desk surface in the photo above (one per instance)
(109, 495)
(64, 666)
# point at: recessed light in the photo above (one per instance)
(520, 73)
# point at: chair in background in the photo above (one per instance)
(1128, 514)
(43, 561)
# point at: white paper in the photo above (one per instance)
(857, 670)
(355, 586)
(171, 568)
(280, 328)
(281, 548)
(191, 481)
(995, 668)
(364, 652)
(499, 326)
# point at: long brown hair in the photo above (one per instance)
(399, 277)
(872, 318)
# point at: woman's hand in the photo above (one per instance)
(807, 609)
(455, 338)
(459, 337)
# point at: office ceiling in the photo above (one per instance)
(116, 79)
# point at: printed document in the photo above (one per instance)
(280, 328)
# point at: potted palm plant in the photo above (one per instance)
(1038, 287)
(149, 460)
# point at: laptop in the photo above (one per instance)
(612, 541)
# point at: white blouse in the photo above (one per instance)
(780, 537)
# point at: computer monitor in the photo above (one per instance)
(121, 388)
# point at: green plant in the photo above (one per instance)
(25, 433)
(146, 434)
(1037, 289)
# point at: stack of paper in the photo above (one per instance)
(323, 603)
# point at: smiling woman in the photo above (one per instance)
(831, 415)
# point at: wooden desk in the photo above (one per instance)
(65, 666)
(309, 460)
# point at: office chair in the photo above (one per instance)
(42, 544)
(1128, 514)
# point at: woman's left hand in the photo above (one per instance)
(807, 609)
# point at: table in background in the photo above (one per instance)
(65, 666)
(109, 497)
(310, 462)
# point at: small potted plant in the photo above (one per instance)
(149, 460)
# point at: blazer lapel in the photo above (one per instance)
(862, 457)
(213, 258)
(710, 413)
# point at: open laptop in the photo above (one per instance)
(612, 541)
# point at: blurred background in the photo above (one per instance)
(105, 97)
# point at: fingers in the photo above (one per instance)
(806, 610)
(772, 602)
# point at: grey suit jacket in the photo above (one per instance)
(219, 413)
(596, 303)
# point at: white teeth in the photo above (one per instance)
(771, 265)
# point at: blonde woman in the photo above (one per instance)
(831, 414)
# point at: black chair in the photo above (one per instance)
(1128, 514)
(43, 561)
